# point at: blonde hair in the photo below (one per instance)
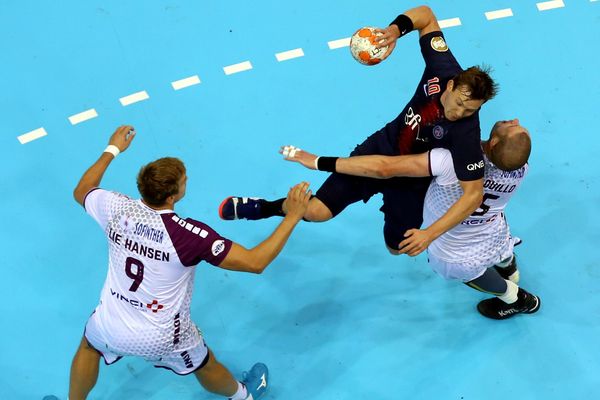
(159, 179)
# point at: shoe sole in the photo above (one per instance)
(537, 306)
(221, 208)
(500, 318)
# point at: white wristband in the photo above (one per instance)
(112, 149)
(317, 163)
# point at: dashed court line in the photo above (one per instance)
(134, 98)
(235, 68)
(449, 23)
(29, 136)
(83, 116)
(504, 13)
(185, 82)
(337, 44)
(290, 54)
(549, 5)
(283, 56)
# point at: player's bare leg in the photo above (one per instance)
(84, 371)
(317, 211)
(215, 378)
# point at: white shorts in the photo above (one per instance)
(466, 271)
(181, 361)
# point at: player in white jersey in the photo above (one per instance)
(467, 251)
(144, 307)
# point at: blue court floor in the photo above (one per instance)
(335, 316)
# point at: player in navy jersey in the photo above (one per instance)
(443, 112)
(144, 307)
(481, 241)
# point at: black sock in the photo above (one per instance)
(272, 208)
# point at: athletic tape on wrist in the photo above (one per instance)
(404, 24)
(326, 164)
(112, 149)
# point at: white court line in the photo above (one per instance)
(235, 68)
(83, 116)
(134, 98)
(185, 82)
(337, 44)
(449, 23)
(549, 5)
(288, 55)
(507, 12)
(29, 136)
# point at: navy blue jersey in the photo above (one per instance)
(422, 126)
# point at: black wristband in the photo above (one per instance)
(404, 24)
(326, 164)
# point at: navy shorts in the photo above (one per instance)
(402, 197)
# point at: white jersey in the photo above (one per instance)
(479, 239)
(144, 307)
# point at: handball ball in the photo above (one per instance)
(362, 46)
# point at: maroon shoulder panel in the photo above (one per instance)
(195, 241)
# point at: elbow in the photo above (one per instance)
(257, 270)
(384, 171)
(256, 266)
(78, 195)
(427, 13)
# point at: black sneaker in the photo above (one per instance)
(511, 272)
(495, 308)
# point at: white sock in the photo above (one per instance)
(510, 296)
(241, 393)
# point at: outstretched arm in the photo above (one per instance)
(120, 141)
(372, 166)
(255, 260)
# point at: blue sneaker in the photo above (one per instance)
(256, 381)
(240, 208)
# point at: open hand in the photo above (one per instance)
(292, 153)
(388, 37)
(416, 242)
(297, 200)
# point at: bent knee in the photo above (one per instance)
(394, 252)
(317, 211)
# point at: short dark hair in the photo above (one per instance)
(160, 179)
(478, 80)
(512, 151)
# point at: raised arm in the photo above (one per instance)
(118, 142)
(419, 18)
(423, 20)
(255, 260)
(372, 166)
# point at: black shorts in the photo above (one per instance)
(402, 197)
